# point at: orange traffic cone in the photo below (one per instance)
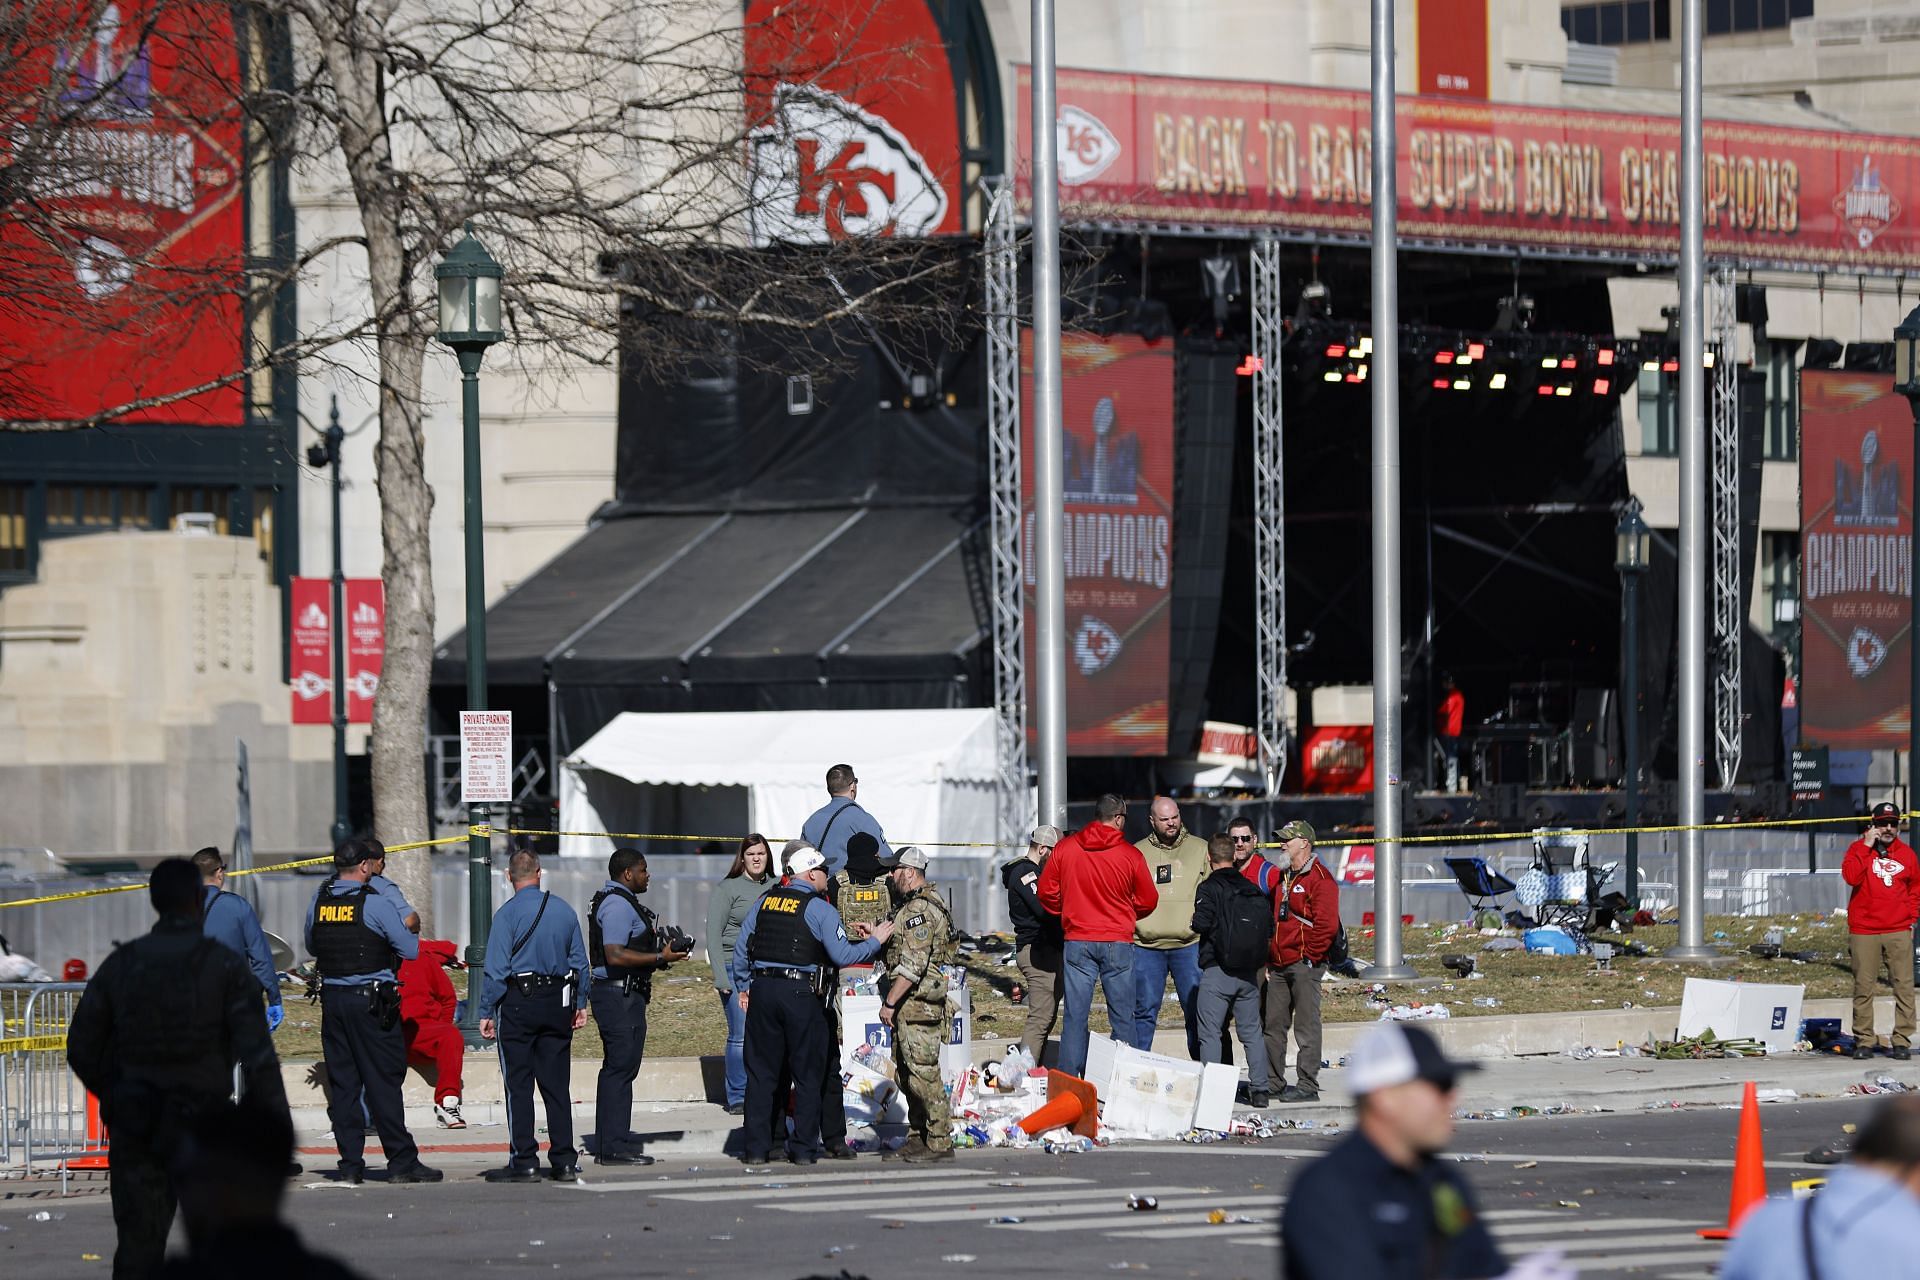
(96, 1141)
(1054, 1113)
(1749, 1169)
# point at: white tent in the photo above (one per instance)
(928, 776)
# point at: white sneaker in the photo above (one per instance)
(448, 1113)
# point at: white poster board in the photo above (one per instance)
(486, 757)
(860, 1026)
(1150, 1094)
(1742, 1011)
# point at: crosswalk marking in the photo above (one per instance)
(1124, 1220)
(961, 1208)
(1225, 1230)
(775, 1175)
(904, 1194)
(1583, 1226)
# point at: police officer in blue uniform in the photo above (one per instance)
(229, 920)
(532, 1000)
(625, 948)
(357, 937)
(791, 940)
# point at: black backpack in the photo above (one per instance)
(1244, 931)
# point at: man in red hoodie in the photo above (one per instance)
(1880, 915)
(1306, 915)
(426, 1020)
(1098, 885)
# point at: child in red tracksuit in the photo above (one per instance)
(427, 1001)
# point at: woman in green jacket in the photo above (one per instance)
(750, 876)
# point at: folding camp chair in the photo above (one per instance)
(1481, 883)
(1571, 883)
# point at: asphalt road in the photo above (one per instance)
(1623, 1194)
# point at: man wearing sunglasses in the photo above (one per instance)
(1880, 916)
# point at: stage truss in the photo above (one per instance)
(1724, 411)
(1002, 261)
(1269, 512)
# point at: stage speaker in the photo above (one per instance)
(1505, 800)
(1595, 733)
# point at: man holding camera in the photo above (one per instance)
(626, 946)
(1880, 916)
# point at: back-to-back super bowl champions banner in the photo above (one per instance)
(1856, 557)
(1117, 417)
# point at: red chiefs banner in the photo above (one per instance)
(126, 268)
(1241, 154)
(1450, 46)
(1117, 417)
(366, 601)
(1856, 531)
(1337, 759)
(310, 649)
(852, 118)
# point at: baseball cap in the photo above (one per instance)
(1885, 812)
(1296, 830)
(804, 859)
(1045, 836)
(1392, 1053)
(912, 856)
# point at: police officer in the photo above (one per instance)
(155, 1037)
(915, 1008)
(861, 894)
(229, 919)
(387, 889)
(789, 941)
(533, 998)
(625, 948)
(357, 936)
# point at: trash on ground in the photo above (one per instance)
(1143, 1202)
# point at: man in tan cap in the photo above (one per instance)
(1037, 938)
(1306, 915)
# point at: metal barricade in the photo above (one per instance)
(46, 1117)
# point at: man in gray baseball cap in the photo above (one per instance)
(1037, 938)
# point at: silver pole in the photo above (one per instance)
(1389, 958)
(1693, 507)
(1049, 664)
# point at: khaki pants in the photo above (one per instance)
(1043, 997)
(1291, 1002)
(1872, 951)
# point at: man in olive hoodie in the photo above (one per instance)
(1164, 943)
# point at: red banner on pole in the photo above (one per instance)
(1246, 155)
(366, 600)
(1856, 532)
(310, 649)
(1450, 44)
(1117, 416)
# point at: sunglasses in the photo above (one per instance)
(1241, 839)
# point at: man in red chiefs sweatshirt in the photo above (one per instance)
(426, 1019)
(1098, 885)
(1880, 915)
(1306, 915)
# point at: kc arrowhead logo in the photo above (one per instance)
(1865, 652)
(363, 685)
(1095, 645)
(826, 169)
(1086, 146)
(309, 685)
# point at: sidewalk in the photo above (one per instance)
(1522, 1057)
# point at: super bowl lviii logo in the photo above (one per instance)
(1865, 205)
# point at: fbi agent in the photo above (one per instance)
(356, 937)
(625, 947)
(789, 941)
(532, 999)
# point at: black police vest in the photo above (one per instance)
(780, 933)
(344, 944)
(596, 942)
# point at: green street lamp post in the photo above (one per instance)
(469, 288)
(1632, 545)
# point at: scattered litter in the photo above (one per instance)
(1415, 1013)
(1007, 1220)
(1531, 1164)
(1143, 1203)
(1568, 1204)
(536, 1243)
(1220, 1217)
(959, 1257)
(89, 1257)
(1878, 1084)
(894, 1226)
(1486, 1002)
(720, 1239)
(1777, 1095)
(1128, 1266)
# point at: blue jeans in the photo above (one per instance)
(1151, 966)
(1083, 963)
(736, 1048)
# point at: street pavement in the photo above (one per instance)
(1623, 1193)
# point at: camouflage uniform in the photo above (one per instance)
(922, 941)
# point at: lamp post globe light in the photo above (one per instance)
(1906, 382)
(1633, 543)
(468, 280)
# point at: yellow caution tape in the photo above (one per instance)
(27, 1044)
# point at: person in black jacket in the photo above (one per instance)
(1037, 934)
(156, 1036)
(1228, 910)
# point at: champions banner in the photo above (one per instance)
(1856, 531)
(1243, 154)
(1117, 414)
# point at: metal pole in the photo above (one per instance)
(1389, 960)
(1913, 647)
(1049, 664)
(1693, 640)
(479, 847)
(1630, 721)
(342, 826)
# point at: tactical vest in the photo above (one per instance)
(780, 933)
(868, 903)
(344, 944)
(925, 909)
(597, 944)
